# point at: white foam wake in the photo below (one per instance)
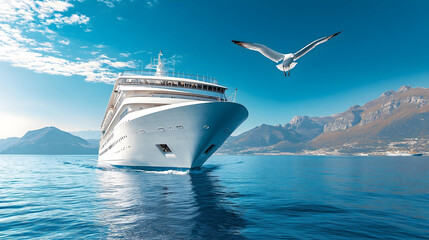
(173, 172)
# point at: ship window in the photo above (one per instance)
(163, 148)
(123, 114)
(179, 127)
(209, 149)
(161, 129)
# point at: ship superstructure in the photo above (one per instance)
(162, 119)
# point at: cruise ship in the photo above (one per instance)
(159, 119)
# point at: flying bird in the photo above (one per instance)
(288, 59)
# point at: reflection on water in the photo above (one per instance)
(216, 215)
(234, 197)
(143, 204)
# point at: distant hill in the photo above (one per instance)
(94, 142)
(395, 121)
(6, 143)
(48, 140)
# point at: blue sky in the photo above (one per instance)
(58, 59)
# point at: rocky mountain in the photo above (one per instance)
(48, 140)
(308, 127)
(397, 120)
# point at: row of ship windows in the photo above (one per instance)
(165, 149)
(110, 138)
(122, 149)
(113, 144)
(174, 84)
(161, 129)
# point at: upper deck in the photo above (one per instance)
(187, 85)
(170, 79)
(159, 85)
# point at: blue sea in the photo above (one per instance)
(231, 197)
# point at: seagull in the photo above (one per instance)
(288, 59)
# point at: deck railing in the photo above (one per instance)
(169, 74)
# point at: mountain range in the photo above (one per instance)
(395, 121)
(48, 140)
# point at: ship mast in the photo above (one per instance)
(160, 66)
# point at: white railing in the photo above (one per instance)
(170, 74)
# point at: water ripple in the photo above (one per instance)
(231, 197)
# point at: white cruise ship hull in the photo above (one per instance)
(182, 135)
(404, 154)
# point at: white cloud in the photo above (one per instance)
(46, 8)
(151, 3)
(120, 18)
(142, 51)
(19, 17)
(60, 20)
(125, 54)
(65, 42)
(19, 55)
(109, 3)
(47, 44)
(100, 46)
(22, 11)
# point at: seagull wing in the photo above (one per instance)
(312, 45)
(267, 52)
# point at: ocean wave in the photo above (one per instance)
(172, 172)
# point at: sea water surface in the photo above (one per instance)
(231, 197)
